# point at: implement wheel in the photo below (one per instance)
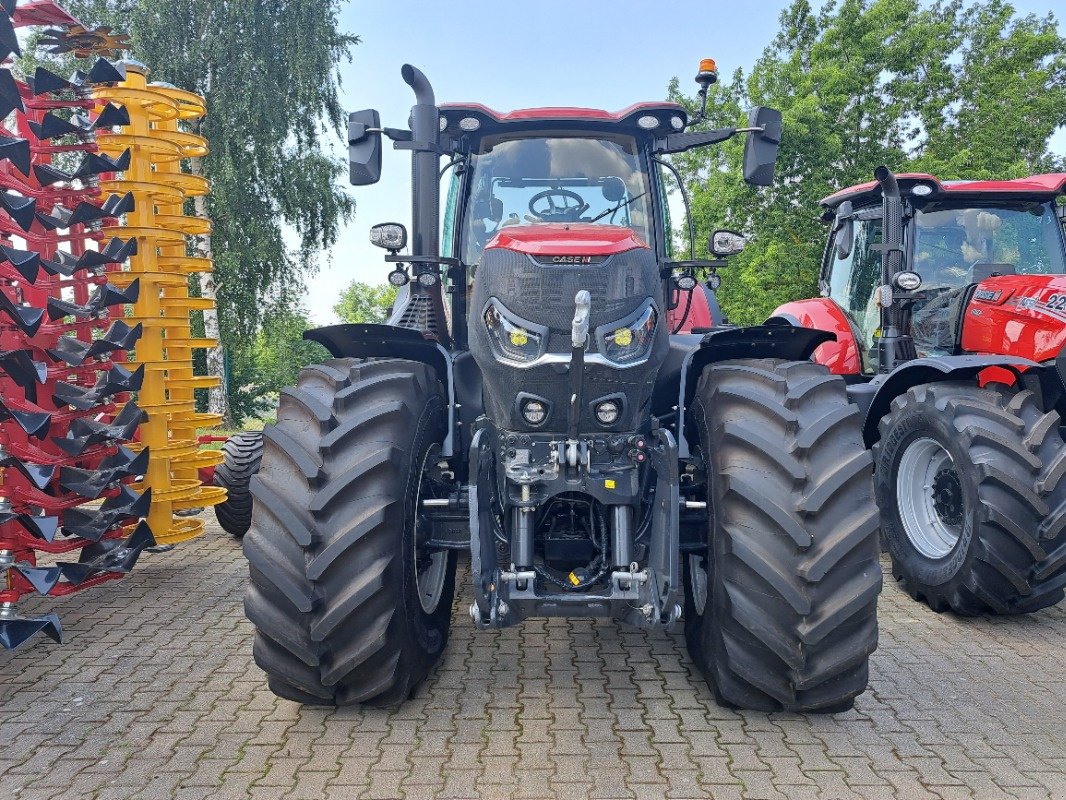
(348, 605)
(243, 452)
(970, 480)
(781, 612)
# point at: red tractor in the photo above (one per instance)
(948, 301)
(538, 402)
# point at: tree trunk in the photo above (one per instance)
(217, 402)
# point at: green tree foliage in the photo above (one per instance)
(363, 302)
(961, 90)
(269, 72)
(278, 354)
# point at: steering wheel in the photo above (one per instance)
(570, 209)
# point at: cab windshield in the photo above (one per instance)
(554, 179)
(954, 246)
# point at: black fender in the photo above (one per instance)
(875, 398)
(775, 339)
(391, 341)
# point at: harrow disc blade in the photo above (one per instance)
(111, 295)
(103, 71)
(127, 504)
(41, 527)
(10, 97)
(63, 264)
(42, 579)
(118, 204)
(70, 350)
(95, 164)
(45, 81)
(120, 379)
(26, 318)
(87, 483)
(40, 475)
(113, 116)
(9, 42)
(53, 125)
(67, 394)
(33, 419)
(22, 369)
(57, 309)
(86, 214)
(15, 630)
(126, 462)
(47, 175)
(109, 555)
(25, 261)
(117, 251)
(91, 431)
(19, 208)
(17, 151)
(119, 336)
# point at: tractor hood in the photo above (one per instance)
(1020, 315)
(562, 239)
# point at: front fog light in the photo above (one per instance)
(607, 412)
(534, 412)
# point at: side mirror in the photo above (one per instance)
(726, 243)
(760, 150)
(364, 147)
(845, 230)
(614, 189)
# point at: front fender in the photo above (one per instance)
(875, 398)
(391, 341)
(772, 340)
(841, 356)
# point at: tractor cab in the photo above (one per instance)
(966, 245)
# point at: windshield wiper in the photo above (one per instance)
(617, 208)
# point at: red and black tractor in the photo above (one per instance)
(948, 301)
(538, 401)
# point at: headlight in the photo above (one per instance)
(512, 339)
(629, 340)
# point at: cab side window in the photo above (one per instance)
(853, 282)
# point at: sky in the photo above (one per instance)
(509, 55)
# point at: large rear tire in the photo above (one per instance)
(347, 607)
(790, 582)
(970, 481)
(243, 454)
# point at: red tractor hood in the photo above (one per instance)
(566, 239)
(1018, 315)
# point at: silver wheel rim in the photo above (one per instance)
(930, 498)
(698, 581)
(431, 570)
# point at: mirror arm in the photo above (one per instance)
(682, 142)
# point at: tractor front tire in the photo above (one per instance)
(345, 606)
(243, 454)
(781, 612)
(971, 485)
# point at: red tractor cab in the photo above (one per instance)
(948, 302)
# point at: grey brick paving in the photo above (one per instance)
(155, 696)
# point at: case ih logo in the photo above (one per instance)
(571, 259)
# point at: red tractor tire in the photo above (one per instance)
(790, 580)
(989, 536)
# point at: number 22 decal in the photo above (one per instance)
(1057, 302)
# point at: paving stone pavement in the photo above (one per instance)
(155, 695)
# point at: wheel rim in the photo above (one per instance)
(431, 567)
(931, 505)
(698, 580)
